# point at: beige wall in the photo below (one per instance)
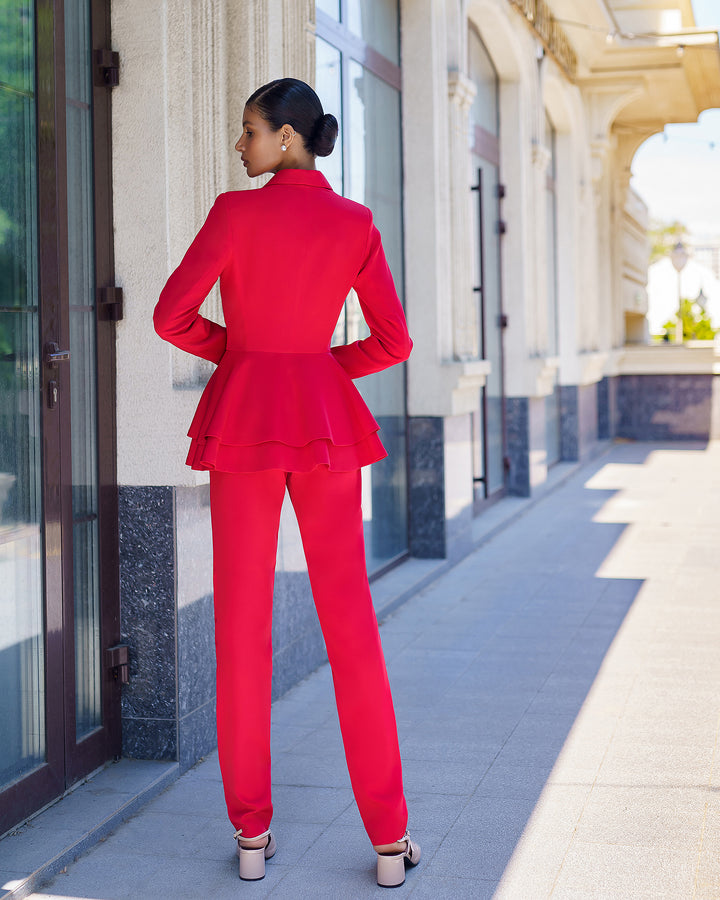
(186, 69)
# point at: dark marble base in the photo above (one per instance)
(168, 706)
(426, 479)
(517, 425)
(569, 425)
(665, 407)
(296, 660)
(298, 646)
(388, 529)
(588, 418)
(197, 735)
(149, 738)
(603, 403)
(578, 420)
(458, 481)
(196, 655)
(147, 613)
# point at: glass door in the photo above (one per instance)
(489, 421)
(23, 662)
(58, 547)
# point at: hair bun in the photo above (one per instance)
(324, 135)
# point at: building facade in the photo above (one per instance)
(491, 138)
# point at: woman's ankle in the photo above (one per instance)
(397, 847)
(253, 843)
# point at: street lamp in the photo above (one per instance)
(679, 257)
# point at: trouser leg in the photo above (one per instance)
(245, 511)
(328, 509)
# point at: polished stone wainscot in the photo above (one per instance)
(664, 407)
(168, 708)
(517, 429)
(426, 482)
(440, 486)
(579, 431)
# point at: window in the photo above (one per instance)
(488, 423)
(358, 80)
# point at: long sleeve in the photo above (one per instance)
(389, 342)
(176, 316)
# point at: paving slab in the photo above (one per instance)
(557, 706)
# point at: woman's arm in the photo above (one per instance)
(176, 315)
(389, 342)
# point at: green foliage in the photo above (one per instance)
(695, 321)
(663, 236)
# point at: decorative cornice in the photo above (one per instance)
(547, 28)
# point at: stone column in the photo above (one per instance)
(461, 92)
(537, 336)
(206, 95)
(299, 39)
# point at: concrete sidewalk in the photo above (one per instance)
(558, 703)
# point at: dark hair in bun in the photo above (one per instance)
(289, 101)
(324, 135)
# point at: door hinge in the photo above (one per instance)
(506, 464)
(107, 68)
(501, 227)
(500, 191)
(110, 303)
(502, 321)
(117, 659)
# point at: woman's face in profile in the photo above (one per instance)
(259, 146)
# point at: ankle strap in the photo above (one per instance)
(240, 836)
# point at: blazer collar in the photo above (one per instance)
(309, 177)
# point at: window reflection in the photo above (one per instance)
(376, 22)
(81, 277)
(22, 659)
(328, 85)
(370, 172)
(330, 7)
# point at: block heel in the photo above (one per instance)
(391, 866)
(251, 860)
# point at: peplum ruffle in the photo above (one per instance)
(291, 411)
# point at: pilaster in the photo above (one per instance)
(461, 92)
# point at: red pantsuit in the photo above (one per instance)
(245, 515)
(281, 412)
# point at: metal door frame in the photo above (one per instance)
(66, 759)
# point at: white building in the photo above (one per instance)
(492, 139)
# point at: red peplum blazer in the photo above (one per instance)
(281, 398)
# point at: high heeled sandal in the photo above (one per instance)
(391, 866)
(252, 859)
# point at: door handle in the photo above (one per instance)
(54, 355)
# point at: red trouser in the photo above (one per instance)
(245, 518)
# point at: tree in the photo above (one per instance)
(696, 323)
(663, 236)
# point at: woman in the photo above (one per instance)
(280, 412)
